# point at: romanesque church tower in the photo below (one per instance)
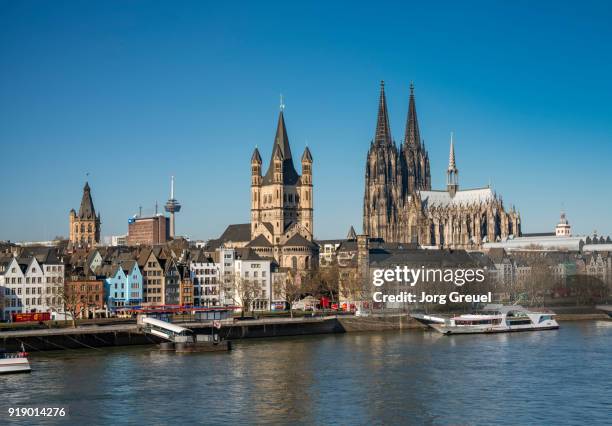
(282, 205)
(85, 225)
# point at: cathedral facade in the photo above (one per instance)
(282, 206)
(400, 206)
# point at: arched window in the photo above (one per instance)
(76, 228)
(82, 227)
(294, 263)
(89, 228)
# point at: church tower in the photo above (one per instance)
(382, 180)
(281, 200)
(414, 160)
(85, 226)
(305, 193)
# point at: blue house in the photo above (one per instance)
(123, 286)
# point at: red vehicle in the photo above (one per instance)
(31, 317)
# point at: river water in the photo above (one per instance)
(407, 377)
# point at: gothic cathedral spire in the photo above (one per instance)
(383, 182)
(412, 137)
(383, 130)
(414, 159)
(452, 174)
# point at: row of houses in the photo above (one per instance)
(104, 280)
(510, 271)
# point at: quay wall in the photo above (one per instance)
(126, 335)
(129, 334)
(76, 339)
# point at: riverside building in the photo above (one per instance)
(32, 283)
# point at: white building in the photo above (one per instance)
(227, 256)
(206, 283)
(119, 240)
(254, 270)
(563, 228)
(237, 269)
(30, 286)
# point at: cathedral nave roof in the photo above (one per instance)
(462, 197)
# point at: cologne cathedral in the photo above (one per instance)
(400, 206)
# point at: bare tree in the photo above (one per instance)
(71, 300)
(350, 286)
(296, 286)
(588, 289)
(245, 292)
(329, 279)
(538, 284)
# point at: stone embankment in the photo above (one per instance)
(96, 336)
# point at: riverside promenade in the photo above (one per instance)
(96, 336)
(129, 333)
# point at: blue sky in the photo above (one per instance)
(133, 92)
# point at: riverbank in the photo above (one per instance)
(96, 336)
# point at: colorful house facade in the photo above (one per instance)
(123, 286)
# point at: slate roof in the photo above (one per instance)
(427, 258)
(236, 232)
(143, 257)
(202, 257)
(464, 197)
(282, 150)
(259, 241)
(298, 241)
(46, 255)
(86, 210)
(127, 265)
(497, 255)
(246, 253)
(352, 235)
(307, 156)
(270, 227)
(107, 270)
(256, 158)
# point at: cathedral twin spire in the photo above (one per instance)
(383, 130)
(393, 173)
(412, 137)
(413, 160)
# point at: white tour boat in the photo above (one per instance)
(605, 308)
(492, 319)
(14, 362)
